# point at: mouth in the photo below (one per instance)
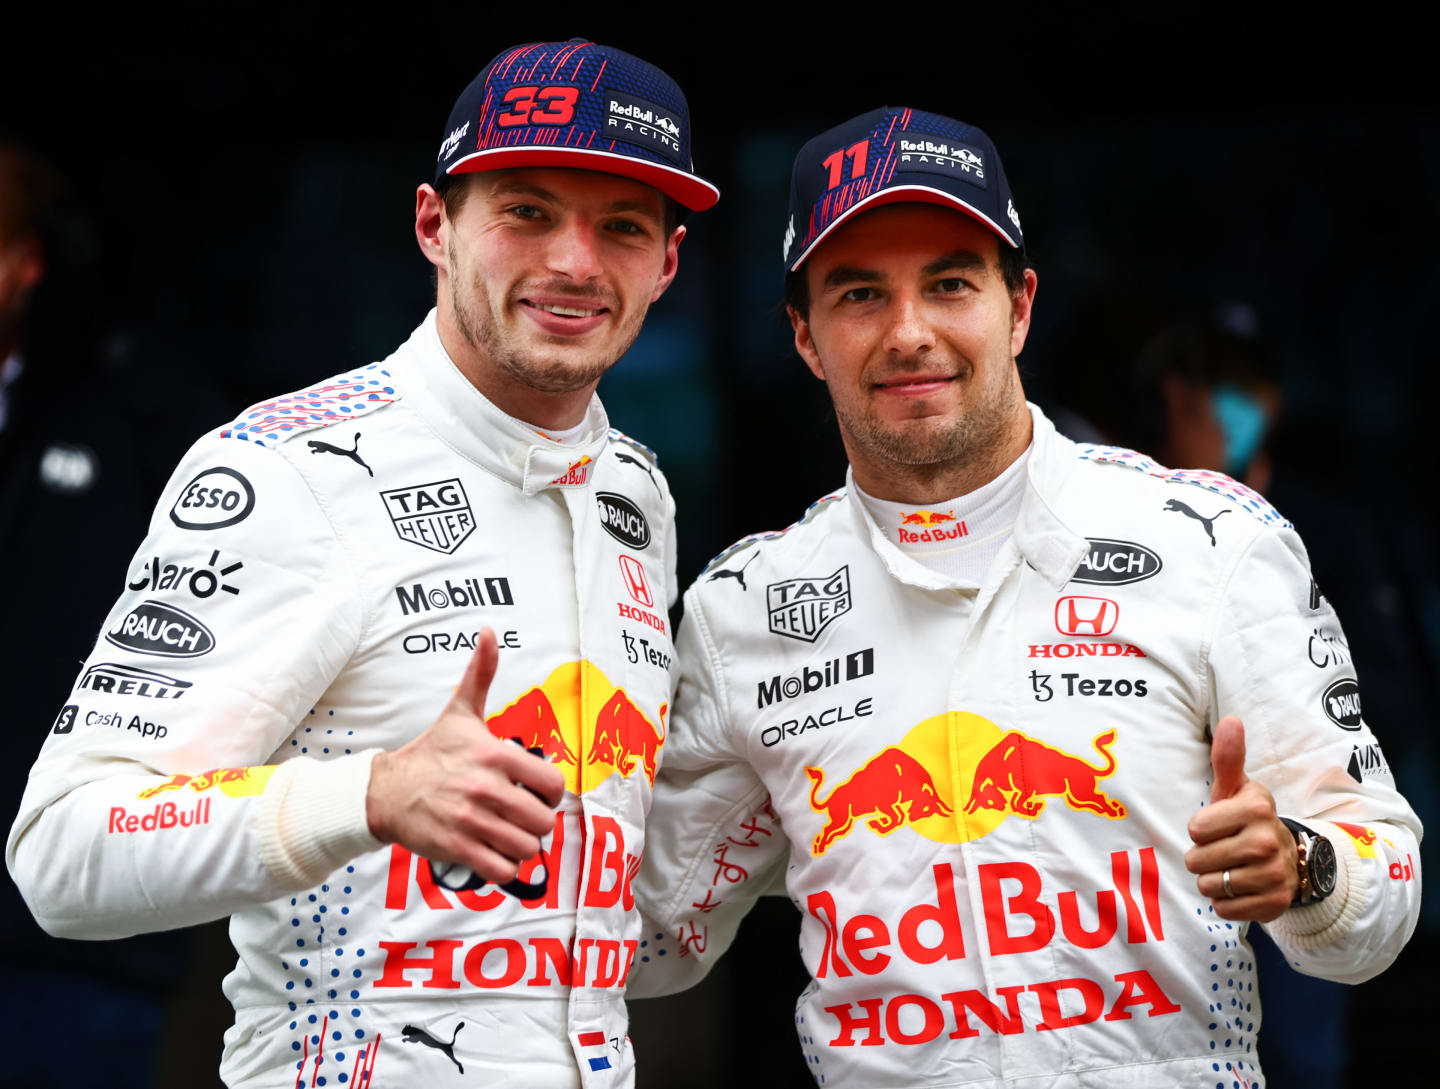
(914, 385)
(564, 317)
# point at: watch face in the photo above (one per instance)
(1322, 867)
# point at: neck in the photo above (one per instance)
(934, 483)
(503, 389)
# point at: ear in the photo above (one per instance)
(1021, 304)
(431, 226)
(805, 343)
(671, 265)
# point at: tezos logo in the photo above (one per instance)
(436, 516)
(1116, 563)
(802, 608)
(1342, 704)
(153, 627)
(623, 520)
(217, 498)
(1086, 615)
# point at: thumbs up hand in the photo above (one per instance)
(1239, 837)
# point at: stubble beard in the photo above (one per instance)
(561, 372)
(977, 436)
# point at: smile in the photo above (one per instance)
(565, 311)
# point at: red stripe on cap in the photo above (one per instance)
(891, 130)
(578, 65)
(590, 1039)
(598, 75)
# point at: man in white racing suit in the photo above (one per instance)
(1029, 731)
(269, 726)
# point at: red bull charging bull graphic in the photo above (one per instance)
(992, 775)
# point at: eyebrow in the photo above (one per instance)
(849, 274)
(956, 261)
(521, 188)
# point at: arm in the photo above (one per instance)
(1306, 747)
(713, 843)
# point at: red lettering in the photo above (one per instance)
(607, 970)
(822, 906)
(553, 950)
(514, 963)
(1150, 891)
(1025, 902)
(1049, 993)
(1140, 988)
(945, 911)
(606, 830)
(934, 1019)
(440, 963)
(117, 819)
(631, 945)
(397, 883)
(1120, 870)
(967, 1002)
(865, 932)
(1104, 926)
(849, 1023)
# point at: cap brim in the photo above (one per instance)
(906, 194)
(688, 190)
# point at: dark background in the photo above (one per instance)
(250, 188)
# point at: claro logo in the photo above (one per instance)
(162, 630)
(1115, 563)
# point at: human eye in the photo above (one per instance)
(526, 211)
(951, 285)
(626, 226)
(859, 295)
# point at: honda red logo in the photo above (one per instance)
(633, 571)
(1086, 615)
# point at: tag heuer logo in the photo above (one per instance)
(435, 516)
(803, 608)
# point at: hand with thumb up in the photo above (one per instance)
(1244, 858)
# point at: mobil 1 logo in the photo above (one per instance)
(1116, 563)
(853, 666)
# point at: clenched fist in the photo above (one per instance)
(458, 793)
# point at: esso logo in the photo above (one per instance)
(217, 498)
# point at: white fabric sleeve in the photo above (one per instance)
(143, 810)
(714, 844)
(1279, 661)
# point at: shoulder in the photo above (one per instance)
(819, 518)
(345, 397)
(635, 455)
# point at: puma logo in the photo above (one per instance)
(738, 575)
(646, 469)
(413, 1035)
(1208, 523)
(318, 447)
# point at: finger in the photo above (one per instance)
(1254, 806)
(1250, 848)
(1227, 757)
(499, 834)
(478, 856)
(479, 672)
(535, 772)
(1256, 894)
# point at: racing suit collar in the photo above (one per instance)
(500, 444)
(1041, 538)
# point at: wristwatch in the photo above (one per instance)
(1316, 864)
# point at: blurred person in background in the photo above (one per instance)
(270, 726)
(74, 485)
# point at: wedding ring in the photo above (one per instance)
(1225, 880)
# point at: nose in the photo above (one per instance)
(574, 250)
(909, 333)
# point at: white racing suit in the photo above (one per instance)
(983, 824)
(309, 593)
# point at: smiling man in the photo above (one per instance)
(1026, 730)
(269, 726)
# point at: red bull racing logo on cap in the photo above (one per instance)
(588, 727)
(993, 775)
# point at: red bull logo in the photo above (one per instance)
(235, 782)
(926, 517)
(955, 777)
(893, 786)
(1363, 837)
(577, 474)
(1013, 775)
(588, 727)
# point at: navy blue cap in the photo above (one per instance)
(581, 105)
(893, 155)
